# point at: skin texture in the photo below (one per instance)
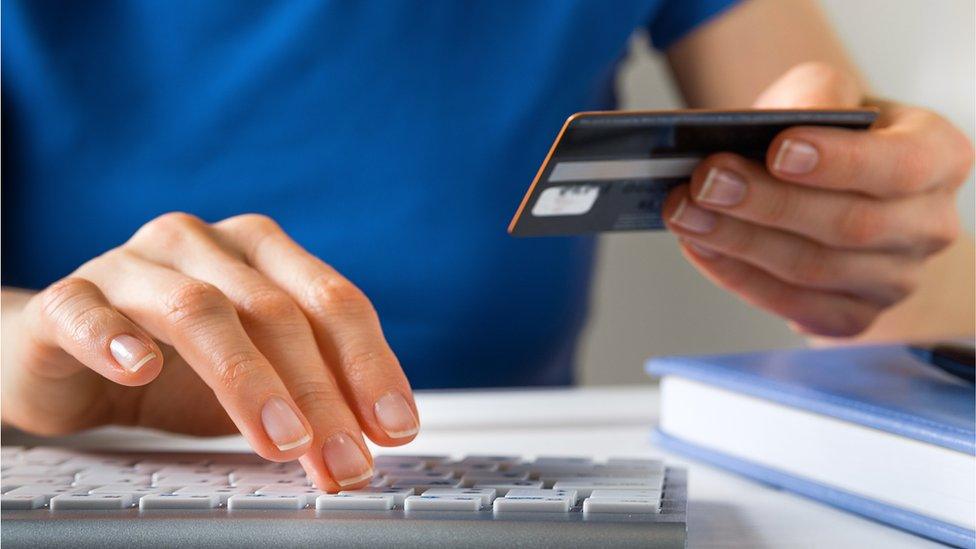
(867, 245)
(235, 313)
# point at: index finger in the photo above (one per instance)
(345, 324)
(913, 151)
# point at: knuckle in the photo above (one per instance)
(168, 229)
(67, 302)
(943, 235)
(850, 323)
(318, 396)
(812, 265)
(742, 242)
(238, 370)
(336, 295)
(191, 300)
(778, 209)
(913, 168)
(360, 366)
(854, 157)
(256, 222)
(902, 287)
(268, 303)
(63, 293)
(962, 155)
(861, 224)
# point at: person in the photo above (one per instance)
(385, 145)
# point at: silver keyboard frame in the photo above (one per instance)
(359, 529)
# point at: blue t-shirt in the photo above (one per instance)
(392, 139)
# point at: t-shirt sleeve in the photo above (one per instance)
(676, 18)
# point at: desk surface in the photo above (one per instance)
(724, 510)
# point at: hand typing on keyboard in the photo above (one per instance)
(236, 326)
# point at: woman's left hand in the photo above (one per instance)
(833, 229)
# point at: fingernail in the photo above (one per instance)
(130, 352)
(395, 415)
(796, 157)
(692, 218)
(282, 424)
(699, 250)
(722, 188)
(345, 460)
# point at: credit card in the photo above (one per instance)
(612, 171)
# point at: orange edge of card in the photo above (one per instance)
(573, 117)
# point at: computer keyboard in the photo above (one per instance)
(62, 497)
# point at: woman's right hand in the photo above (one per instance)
(209, 329)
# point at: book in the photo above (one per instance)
(869, 429)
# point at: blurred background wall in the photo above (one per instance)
(647, 300)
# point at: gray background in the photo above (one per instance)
(647, 300)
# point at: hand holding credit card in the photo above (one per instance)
(612, 171)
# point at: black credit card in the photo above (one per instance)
(612, 171)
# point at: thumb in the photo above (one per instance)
(812, 85)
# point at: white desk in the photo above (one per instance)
(724, 510)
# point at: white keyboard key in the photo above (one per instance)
(47, 456)
(63, 502)
(613, 494)
(308, 494)
(10, 454)
(420, 486)
(427, 461)
(572, 495)
(111, 478)
(417, 477)
(179, 501)
(264, 480)
(474, 477)
(208, 479)
(255, 501)
(501, 460)
(399, 468)
(546, 461)
(32, 470)
(504, 487)
(136, 493)
(476, 466)
(46, 491)
(487, 495)
(442, 503)
(551, 504)
(399, 494)
(221, 493)
(586, 485)
(12, 482)
(636, 463)
(10, 502)
(153, 466)
(358, 502)
(621, 505)
(91, 461)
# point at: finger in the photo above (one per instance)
(743, 189)
(917, 152)
(881, 278)
(814, 312)
(73, 316)
(202, 325)
(345, 325)
(276, 325)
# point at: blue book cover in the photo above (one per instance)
(880, 387)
